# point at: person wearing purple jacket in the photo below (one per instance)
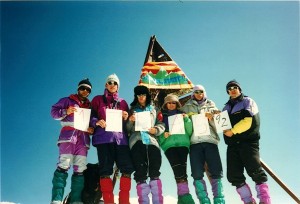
(112, 147)
(73, 144)
(243, 149)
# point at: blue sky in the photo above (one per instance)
(48, 47)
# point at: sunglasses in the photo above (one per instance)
(232, 88)
(83, 88)
(112, 83)
(198, 92)
(141, 95)
(174, 103)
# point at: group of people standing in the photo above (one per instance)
(139, 152)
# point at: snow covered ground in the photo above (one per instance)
(167, 199)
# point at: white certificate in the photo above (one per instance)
(222, 121)
(114, 120)
(200, 125)
(82, 118)
(142, 121)
(176, 124)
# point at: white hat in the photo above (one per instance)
(113, 77)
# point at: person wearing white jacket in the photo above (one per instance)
(204, 148)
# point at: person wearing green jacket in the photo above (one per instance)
(176, 146)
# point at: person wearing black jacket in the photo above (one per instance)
(243, 145)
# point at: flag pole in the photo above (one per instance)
(272, 174)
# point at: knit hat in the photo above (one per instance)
(200, 88)
(140, 89)
(171, 98)
(113, 77)
(86, 83)
(233, 83)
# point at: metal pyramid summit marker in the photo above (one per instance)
(160, 71)
(162, 75)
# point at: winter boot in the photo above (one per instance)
(143, 190)
(125, 185)
(201, 191)
(183, 192)
(246, 195)
(263, 193)
(156, 191)
(106, 186)
(217, 189)
(59, 182)
(77, 184)
(185, 199)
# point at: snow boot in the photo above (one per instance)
(125, 186)
(245, 194)
(59, 182)
(183, 192)
(263, 193)
(77, 184)
(217, 189)
(201, 191)
(143, 190)
(156, 191)
(106, 186)
(185, 199)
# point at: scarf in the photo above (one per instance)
(82, 104)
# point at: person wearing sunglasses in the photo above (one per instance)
(73, 144)
(176, 146)
(204, 151)
(112, 147)
(144, 147)
(243, 145)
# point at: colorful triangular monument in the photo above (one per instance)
(162, 75)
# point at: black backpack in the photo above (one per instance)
(91, 193)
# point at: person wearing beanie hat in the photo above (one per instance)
(204, 148)
(243, 145)
(70, 140)
(112, 147)
(113, 79)
(85, 83)
(176, 147)
(233, 84)
(144, 147)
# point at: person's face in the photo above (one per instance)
(234, 91)
(199, 94)
(112, 86)
(142, 99)
(172, 105)
(84, 92)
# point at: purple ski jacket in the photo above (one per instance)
(59, 112)
(99, 105)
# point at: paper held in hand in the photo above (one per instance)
(82, 118)
(176, 124)
(200, 124)
(114, 120)
(222, 121)
(142, 121)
